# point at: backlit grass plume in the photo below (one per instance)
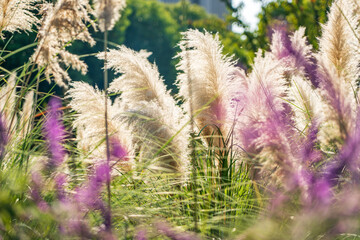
(108, 12)
(295, 53)
(158, 124)
(62, 22)
(338, 70)
(17, 15)
(8, 101)
(203, 65)
(89, 122)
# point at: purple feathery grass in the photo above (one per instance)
(117, 150)
(141, 234)
(349, 157)
(169, 232)
(4, 138)
(60, 182)
(54, 132)
(309, 152)
(35, 190)
(89, 196)
(295, 52)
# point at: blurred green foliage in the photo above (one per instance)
(281, 13)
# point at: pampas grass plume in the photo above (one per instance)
(201, 60)
(17, 15)
(62, 23)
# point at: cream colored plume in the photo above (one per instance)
(144, 96)
(339, 46)
(88, 103)
(306, 103)
(338, 68)
(108, 12)
(204, 67)
(8, 102)
(17, 15)
(25, 116)
(62, 23)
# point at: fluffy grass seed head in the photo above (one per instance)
(88, 103)
(203, 65)
(17, 15)
(62, 23)
(108, 12)
(339, 45)
(149, 109)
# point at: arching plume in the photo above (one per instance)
(148, 104)
(62, 23)
(17, 15)
(208, 71)
(89, 122)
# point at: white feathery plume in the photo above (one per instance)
(202, 61)
(8, 102)
(144, 96)
(338, 42)
(62, 23)
(306, 103)
(25, 115)
(161, 148)
(87, 102)
(338, 71)
(108, 12)
(17, 15)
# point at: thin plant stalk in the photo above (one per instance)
(193, 148)
(106, 124)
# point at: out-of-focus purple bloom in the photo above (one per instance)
(309, 153)
(349, 156)
(166, 230)
(117, 150)
(89, 195)
(35, 191)
(321, 192)
(54, 133)
(141, 234)
(295, 52)
(4, 138)
(60, 182)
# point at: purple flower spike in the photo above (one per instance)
(60, 182)
(89, 195)
(35, 191)
(117, 150)
(54, 132)
(4, 138)
(141, 235)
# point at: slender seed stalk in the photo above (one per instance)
(193, 148)
(106, 124)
